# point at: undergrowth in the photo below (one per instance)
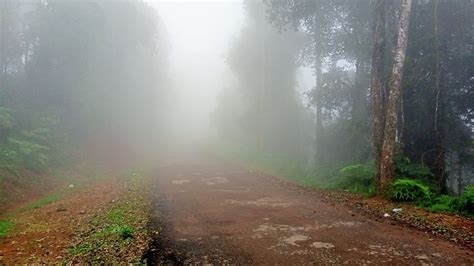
(463, 203)
(409, 190)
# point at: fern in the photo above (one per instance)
(409, 190)
(357, 178)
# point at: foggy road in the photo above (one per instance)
(212, 212)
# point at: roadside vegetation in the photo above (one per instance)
(410, 186)
(118, 233)
(100, 218)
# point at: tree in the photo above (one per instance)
(387, 170)
(378, 88)
(437, 88)
(269, 114)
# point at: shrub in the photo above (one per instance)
(26, 153)
(409, 190)
(461, 204)
(357, 178)
(405, 168)
(442, 203)
(26, 150)
(465, 203)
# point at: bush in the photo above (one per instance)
(409, 190)
(27, 154)
(444, 203)
(26, 150)
(405, 168)
(357, 178)
(461, 204)
(465, 203)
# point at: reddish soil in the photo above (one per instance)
(44, 235)
(210, 212)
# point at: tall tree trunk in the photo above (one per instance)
(377, 87)
(358, 111)
(440, 161)
(387, 170)
(319, 107)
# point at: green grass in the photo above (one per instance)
(115, 231)
(44, 201)
(5, 226)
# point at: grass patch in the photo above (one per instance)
(44, 201)
(5, 226)
(117, 234)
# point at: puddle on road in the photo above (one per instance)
(233, 190)
(270, 202)
(322, 245)
(295, 238)
(343, 224)
(215, 180)
(180, 181)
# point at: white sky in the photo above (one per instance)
(200, 33)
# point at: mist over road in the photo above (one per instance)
(214, 212)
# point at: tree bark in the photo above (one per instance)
(377, 87)
(387, 170)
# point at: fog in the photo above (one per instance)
(236, 131)
(293, 80)
(199, 34)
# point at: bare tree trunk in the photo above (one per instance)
(319, 107)
(387, 170)
(377, 87)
